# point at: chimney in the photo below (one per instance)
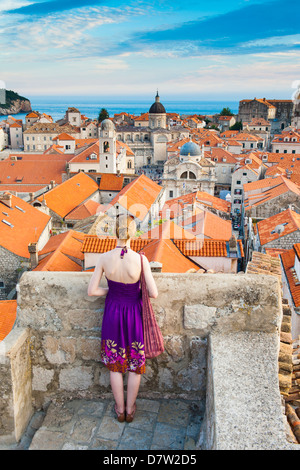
(6, 199)
(52, 184)
(232, 245)
(33, 251)
(155, 266)
(31, 197)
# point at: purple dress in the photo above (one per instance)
(122, 340)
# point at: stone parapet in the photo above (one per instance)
(200, 315)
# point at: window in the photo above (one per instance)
(2, 285)
(184, 175)
(170, 193)
(293, 151)
(238, 182)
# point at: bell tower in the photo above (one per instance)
(107, 147)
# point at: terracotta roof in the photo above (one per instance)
(262, 263)
(15, 124)
(33, 114)
(83, 211)
(8, 314)
(288, 262)
(209, 225)
(111, 182)
(204, 199)
(95, 244)
(27, 225)
(214, 248)
(264, 190)
(165, 251)
(85, 153)
(27, 171)
(168, 230)
(51, 128)
(213, 201)
(138, 196)
(61, 253)
(71, 193)
(63, 136)
(120, 145)
(289, 219)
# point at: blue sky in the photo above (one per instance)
(188, 50)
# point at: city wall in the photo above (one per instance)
(221, 347)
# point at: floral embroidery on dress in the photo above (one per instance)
(120, 359)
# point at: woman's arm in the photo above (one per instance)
(94, 288)
(150, 282)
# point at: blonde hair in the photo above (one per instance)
(125, 227)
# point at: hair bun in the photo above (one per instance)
(125, 227)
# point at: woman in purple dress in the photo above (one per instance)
(122, 341)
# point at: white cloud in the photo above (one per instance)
(6, 5)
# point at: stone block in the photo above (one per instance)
(76, 378)
(41, 378)
(59, 350)
(199, 317)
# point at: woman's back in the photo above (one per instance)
(126, 270)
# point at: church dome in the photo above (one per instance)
(190, 149)
(107, 125)
(157, 107)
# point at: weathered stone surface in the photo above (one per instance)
(75, 378)
(41, 378)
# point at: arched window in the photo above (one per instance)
(129, 164)
(184, 175)
(105, 146)
(192, 175)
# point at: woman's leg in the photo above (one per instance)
(133, 385)
(116, 381)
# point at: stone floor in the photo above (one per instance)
(92, 425)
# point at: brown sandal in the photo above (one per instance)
(120, 416)
(130, 416)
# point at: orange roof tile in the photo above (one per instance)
(29, 172)
(111, 182)
(138, 196)
(209, 225)
(8, 314)
(202, 247)
(165, 251)
(27, 225)
(94, 244)
(288, 262)
(120, 145)
(71, 193)
(63, 136)
(83, 211)
(266, 228)
(61, 253)
(168, 230)
(83, 156)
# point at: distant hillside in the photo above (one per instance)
(15, 104)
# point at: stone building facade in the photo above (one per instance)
(189, 172)
(273, 206)
(149, 143)
(278, 112)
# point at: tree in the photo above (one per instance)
(237, 126)
(103, 114)
(226, 112)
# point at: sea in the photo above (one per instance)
(57, 107)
